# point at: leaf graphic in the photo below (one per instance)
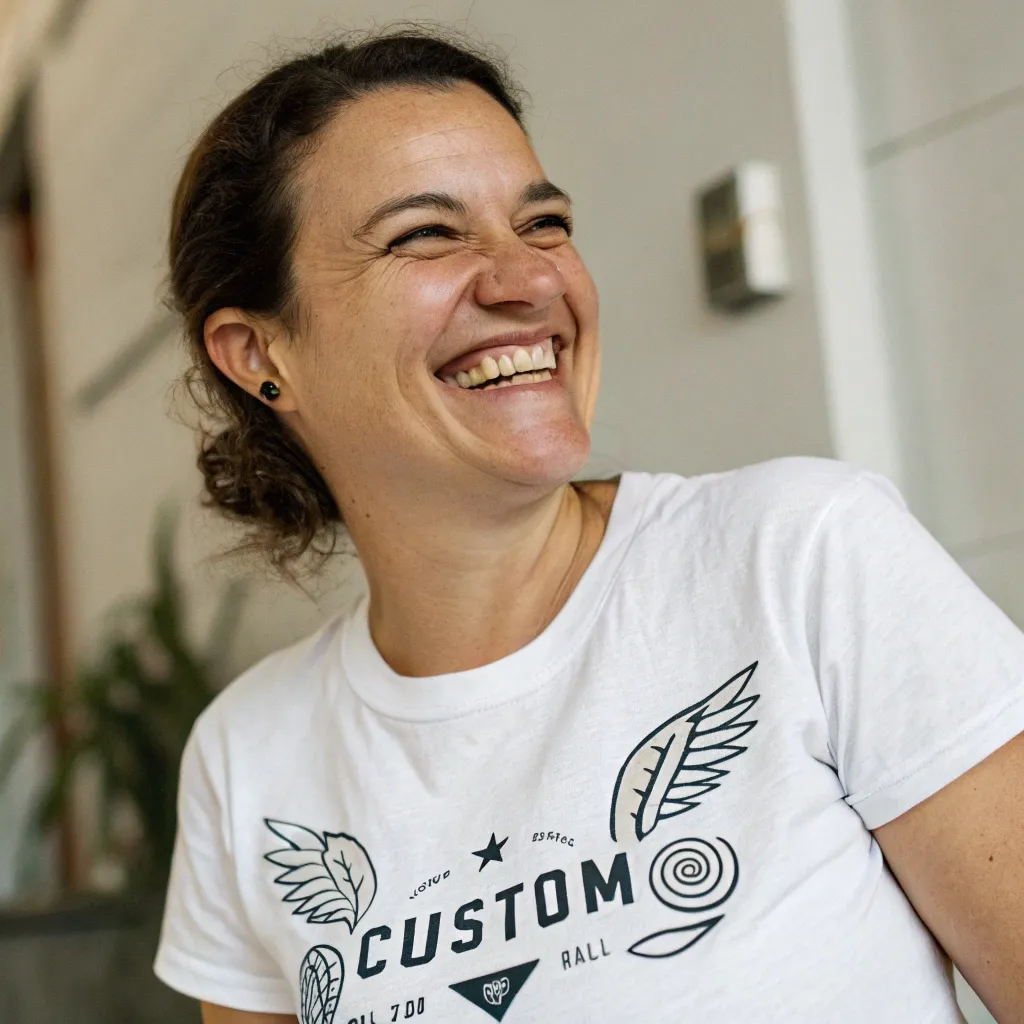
(297, 837)
(678, 763)
(330, 877)
(672, 941)
(352, 870)
(320, 981)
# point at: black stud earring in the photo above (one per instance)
(269, 390)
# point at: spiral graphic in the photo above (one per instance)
(694, 875)
(320, 980)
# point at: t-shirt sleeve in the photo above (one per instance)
(921, 675)
(207, 947)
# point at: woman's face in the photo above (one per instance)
(432, 253)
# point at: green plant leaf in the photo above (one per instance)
(15, 740)
(132, 708)
(225, 623)
(54, 798)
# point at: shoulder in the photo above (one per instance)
(268, 695)
(797, 491)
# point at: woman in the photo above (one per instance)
(608, 751)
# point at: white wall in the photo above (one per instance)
(942, 86)
(942, 111)
(860, 382)
(630, 115)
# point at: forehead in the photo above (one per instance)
(416, 139)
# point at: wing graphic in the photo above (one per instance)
(330, 876)
(671, 768)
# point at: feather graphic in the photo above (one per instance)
(320, 980)
(679, 762)
(329, 876)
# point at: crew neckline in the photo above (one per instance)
(454, 694)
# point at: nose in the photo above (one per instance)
(519, 274)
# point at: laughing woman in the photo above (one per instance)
(728, 748)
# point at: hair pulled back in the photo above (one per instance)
(232, 234)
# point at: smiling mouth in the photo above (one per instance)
(508, 368)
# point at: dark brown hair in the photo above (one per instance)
(233, 228)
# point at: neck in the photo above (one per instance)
(451, 600)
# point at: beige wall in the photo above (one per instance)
(635, 106)
(24, 25)
(942, 86)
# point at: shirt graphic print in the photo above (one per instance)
(331, 879)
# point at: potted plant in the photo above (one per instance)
(127, 719)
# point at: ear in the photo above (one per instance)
(240, 347)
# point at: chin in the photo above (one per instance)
(548, 460)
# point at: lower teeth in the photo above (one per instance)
(522, 378)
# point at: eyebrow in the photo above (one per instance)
(534, 192)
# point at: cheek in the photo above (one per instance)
(349, 408)
(395, 323)
(368, 352)
(370, 335)
(425, 294)
(580, 290)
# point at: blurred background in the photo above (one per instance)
(896, 130)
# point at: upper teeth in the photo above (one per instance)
(521, 360)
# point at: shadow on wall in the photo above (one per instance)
(90, 965)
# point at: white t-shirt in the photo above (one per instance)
(658, 810)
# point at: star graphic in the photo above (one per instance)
(492, 851)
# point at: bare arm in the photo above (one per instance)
(222, 1015)
(959, 857)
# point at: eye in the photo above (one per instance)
(429, 231)
(552, 220)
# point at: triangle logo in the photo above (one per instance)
(494, 993)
